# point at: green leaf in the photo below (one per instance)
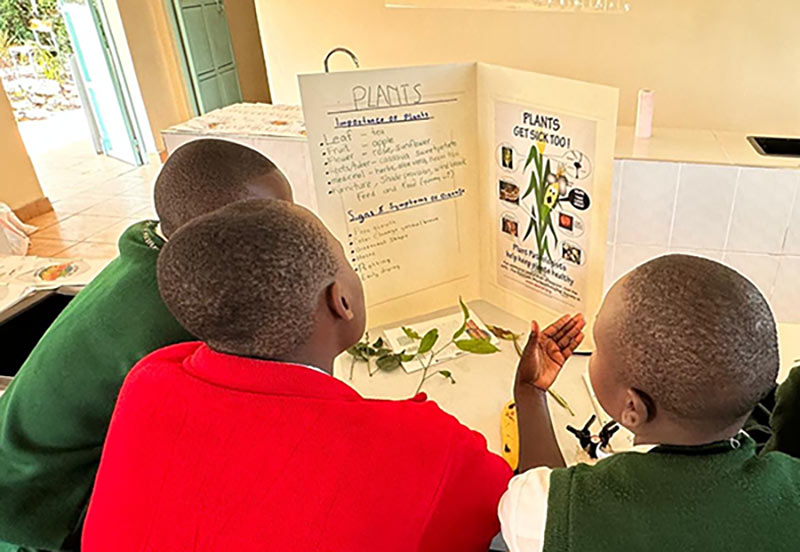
(388, 363)
(533, 154)
(411, 334)
(428, 341)
(465, 312)
(357, 353)
(547, 251)
(532, 185)
(447, 375)
(530, 227)
(378, 344)
(501, 333)
(407, 358)
(476, 346)
(539, 166)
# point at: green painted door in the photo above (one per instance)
(206, 40)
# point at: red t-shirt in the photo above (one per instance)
(208, 451)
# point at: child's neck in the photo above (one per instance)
(310, 356)
(688, 437)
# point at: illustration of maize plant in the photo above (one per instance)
(545, 187)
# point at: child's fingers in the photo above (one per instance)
(576, 328)
(567, 351)
(565, 324)
(556, 327)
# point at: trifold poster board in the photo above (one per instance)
(467, 180)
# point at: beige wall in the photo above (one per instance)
(247, 50)
(152, 46)
(154, 52)
(18, 184)
(721, 64)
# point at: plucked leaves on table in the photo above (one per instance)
(477, 346)
(428, 341)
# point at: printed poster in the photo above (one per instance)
(544, 187)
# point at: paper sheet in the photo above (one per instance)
(447, 326)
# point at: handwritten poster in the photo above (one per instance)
(543, 175)
(394, 160)
(467, 180)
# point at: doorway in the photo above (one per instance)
(73, 109)
(72, 103)
(206, 53)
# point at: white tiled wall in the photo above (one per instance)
(748, 218)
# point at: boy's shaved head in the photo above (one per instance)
(247, 278)
(695, 336)
(204, 175)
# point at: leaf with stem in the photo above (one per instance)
(388, 363)
(465, 312)
(533, 154)
(477, 346)
(533, 184)
(530, 227)
(501, 333)
(447, 375)
(411, 334)
(428, 341)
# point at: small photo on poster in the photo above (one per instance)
(570, 224)
(507, 157)
(510, 225)
(508, 191)
(571, 253)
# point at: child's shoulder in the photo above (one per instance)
(167, 359)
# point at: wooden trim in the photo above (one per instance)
(33, 209)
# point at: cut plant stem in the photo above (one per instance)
(560, 400)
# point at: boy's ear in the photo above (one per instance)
(637, 410)
(338, 303)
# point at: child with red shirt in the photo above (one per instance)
(246, 442)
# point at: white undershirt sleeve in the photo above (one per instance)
(523, 510)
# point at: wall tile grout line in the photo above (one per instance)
(785, 240)
(621, 184)
(674, 206)
(733, 209)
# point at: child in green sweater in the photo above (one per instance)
(785, 419)
(55, 414)
(684, 349)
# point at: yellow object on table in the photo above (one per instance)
(509, 435)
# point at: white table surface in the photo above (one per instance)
(483, 384)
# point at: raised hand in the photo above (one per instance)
(547, 350)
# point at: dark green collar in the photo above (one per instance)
(741, 442)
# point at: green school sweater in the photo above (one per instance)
(785, 420)
(55, 414)
(681, 499)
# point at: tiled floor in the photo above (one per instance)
(94, 197)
